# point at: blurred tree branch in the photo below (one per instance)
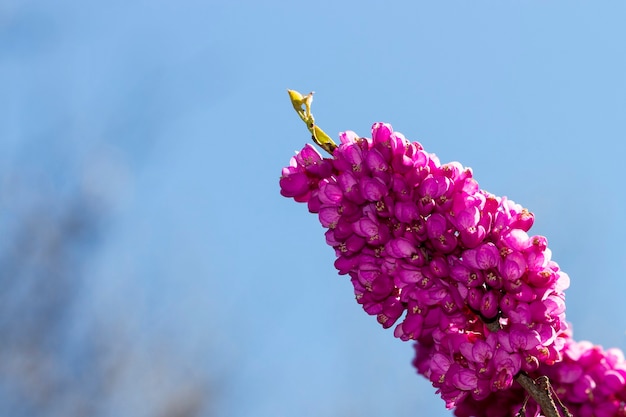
(45, 368)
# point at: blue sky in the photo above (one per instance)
(177, 112)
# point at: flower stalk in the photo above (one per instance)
(302, 106)
(539, 389)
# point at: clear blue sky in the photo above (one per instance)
(187, 102)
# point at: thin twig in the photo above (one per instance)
(540, 390)
(302, 106)
(539, 393)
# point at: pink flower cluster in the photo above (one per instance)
(589, 381)
(427, 249)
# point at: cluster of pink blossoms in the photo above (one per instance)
(427, 249)
(589, 381)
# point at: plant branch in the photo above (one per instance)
(302, 106)
(540, 388)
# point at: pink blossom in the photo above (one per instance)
(426, 247)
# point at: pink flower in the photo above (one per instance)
(483, 257)
(293, 183)
(424, 246)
